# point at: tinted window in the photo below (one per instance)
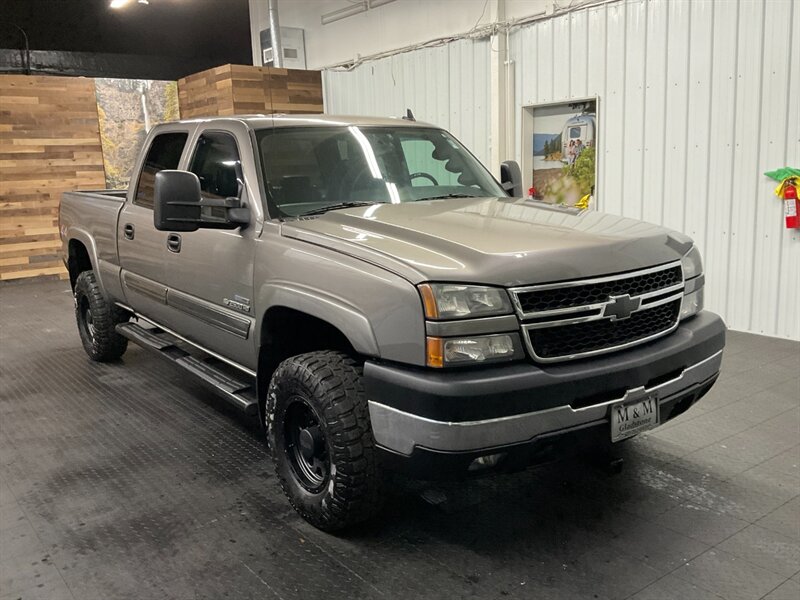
(165, 153)
(216, 163)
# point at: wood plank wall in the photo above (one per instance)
(49, 143)
(241, 89)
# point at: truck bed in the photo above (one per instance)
(90, 217)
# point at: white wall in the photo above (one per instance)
(387, 27)
(447, 86)
(697, 100)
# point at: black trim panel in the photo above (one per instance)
(145, 287)
(210, 314)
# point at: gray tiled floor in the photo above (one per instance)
(129, 481)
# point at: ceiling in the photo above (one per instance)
(182, 28)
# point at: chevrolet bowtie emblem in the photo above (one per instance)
(621, 307)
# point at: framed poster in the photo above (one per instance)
(127, 109)
(562, 152)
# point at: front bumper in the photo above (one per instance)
(415, 412)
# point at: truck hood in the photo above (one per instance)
(496, 241)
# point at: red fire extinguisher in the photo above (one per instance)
(790, 205)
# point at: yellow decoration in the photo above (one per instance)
(782, 184)
(583, 203)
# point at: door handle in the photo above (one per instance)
(174, 242)
(129, 231)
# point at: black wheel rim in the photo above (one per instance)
(87, 320)
(306, 447)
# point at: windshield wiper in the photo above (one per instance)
(446, 196)
(323, 209)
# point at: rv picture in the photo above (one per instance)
(564, 140)
(578, 134)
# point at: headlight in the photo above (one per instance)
(444, 352)
(453, 301)
(692, 263)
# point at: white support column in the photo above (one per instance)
(510, 103)
(498, 128)
(259, 20)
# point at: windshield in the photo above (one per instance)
(314, 169)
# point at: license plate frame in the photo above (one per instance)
(632, 417)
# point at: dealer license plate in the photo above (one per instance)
(630, 418)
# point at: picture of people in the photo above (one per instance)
(563, 148)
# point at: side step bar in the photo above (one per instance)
(241, 394)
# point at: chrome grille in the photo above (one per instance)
(538, 300)
(574, 319)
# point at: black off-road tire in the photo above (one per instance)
(330, 384)
(97, 319)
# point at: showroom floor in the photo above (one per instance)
(130, 481)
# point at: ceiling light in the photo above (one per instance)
(123, 3)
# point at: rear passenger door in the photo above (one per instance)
(142, 248)
(210, 271)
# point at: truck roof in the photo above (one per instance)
(257, 121)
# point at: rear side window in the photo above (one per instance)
(165, 153)
(217, 165)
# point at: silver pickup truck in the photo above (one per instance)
(381, 302)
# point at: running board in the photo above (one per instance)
(241, 394)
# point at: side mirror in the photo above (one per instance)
(177, 201)
(179, 205)
(511, 178)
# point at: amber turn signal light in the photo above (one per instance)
(428, 301)
(434, 352)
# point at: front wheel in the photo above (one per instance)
(97, 320)
(320, 440)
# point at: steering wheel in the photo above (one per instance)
(424, 175)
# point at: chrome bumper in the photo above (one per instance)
(401, 432)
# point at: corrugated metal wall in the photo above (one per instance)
(448, 86)
(697, 100)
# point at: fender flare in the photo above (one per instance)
(84, 237)
(346, 318)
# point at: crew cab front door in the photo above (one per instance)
(142, 248)
(210, 271)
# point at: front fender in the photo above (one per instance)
(345, 317)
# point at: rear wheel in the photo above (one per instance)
(97, 320)
(320, 440)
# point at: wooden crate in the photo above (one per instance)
(49, 143)
(241, 89)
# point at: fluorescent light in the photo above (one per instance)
(343, 13)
